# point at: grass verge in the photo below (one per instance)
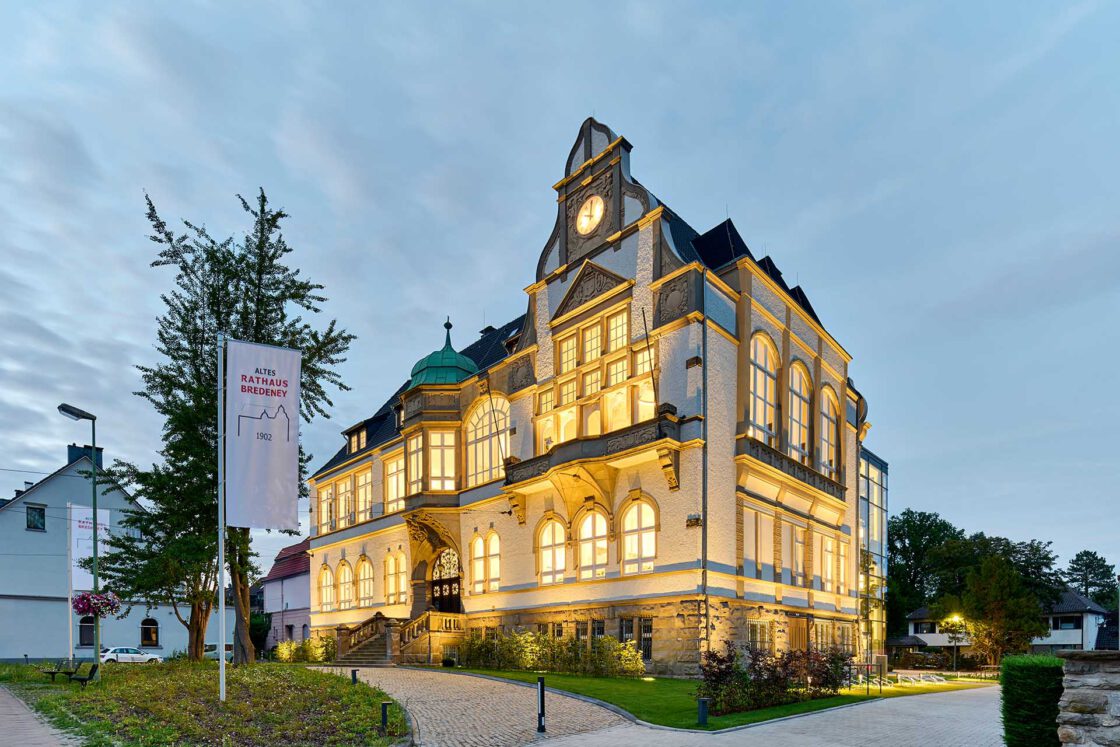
(672, 702)
(177, 704)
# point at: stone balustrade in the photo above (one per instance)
(1090, 705)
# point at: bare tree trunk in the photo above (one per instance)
(243, 649)
(196, 631)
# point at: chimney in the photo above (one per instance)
(75, 452)
(27, 484)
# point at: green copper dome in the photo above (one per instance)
(444, 366)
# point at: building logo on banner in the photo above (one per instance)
(262, 436)
(81, 543)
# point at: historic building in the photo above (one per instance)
(663, 448)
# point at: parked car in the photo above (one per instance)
(211, 651)
(126, 655)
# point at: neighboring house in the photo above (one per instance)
(35, 573)
(1073, 622)
(287, 594)
(664, 448)
(1107, 638)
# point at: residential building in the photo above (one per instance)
(1072, 623)
(873, 551)
(287, 594)
(663, 447)
(38, 527)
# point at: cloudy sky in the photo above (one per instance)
(942, 179)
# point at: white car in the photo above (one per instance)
(126, 655)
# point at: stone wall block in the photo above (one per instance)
(1090, 705)
(1071, 735)
(1084, 701)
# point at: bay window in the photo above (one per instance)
(415, 448)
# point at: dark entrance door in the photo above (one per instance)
(447, 577)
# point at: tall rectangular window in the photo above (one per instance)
(800, 393)
(567, 355)
(441, 460)
(827, 562)
(625, 629)
(798, 556)
(842, 580)
(415, 449)
(618, 331)
(750, 543)
(645, 403)
(598, 628)
(365, 494)
(647, 638)
(345, 490)
(592, 343)
(759, 637)
(766, 547)
(617, 405)
(394, 484)
(326, 509)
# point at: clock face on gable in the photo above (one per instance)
(590, 215)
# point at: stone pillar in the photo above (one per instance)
(1090, 705)
(342, 636)
(392, 640)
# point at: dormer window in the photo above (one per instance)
(357, 441)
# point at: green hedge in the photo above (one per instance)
(1032, 686)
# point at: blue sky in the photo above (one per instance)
(941, 178)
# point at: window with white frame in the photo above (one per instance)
(415, 448)
(827, 562)
(592, 343)
(760, 636)
(800, 407)
(394, 483)
(546, 423)
(487, 440)
(618, 331)
(568, 353)
(842, 579)
(326, 509)
(639, 538)
(493, 562)
(396, 579)
(345, 586)
(485, 563)
(552, 555)
(593, 546)
(798, 556)
(345, 502)
(441, 460)
(830, 436)
(364, 490)
(326, 589)
(365, 583)
(478, 565)
(357, 440)
(764, 390)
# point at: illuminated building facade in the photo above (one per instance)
(873, 549)
(663, 448)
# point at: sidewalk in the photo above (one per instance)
(19, 725)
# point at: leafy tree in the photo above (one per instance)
(1089, 573)
(260, 623)
(245, 289)
(1001, 613)
(953, 560)
(912, 536)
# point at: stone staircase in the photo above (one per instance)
(373, 643)
(370, 653)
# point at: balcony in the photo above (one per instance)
(665, 425)
(770, 456)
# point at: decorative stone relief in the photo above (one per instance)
(521, 374)
(592, 281)
(674, 299)
(602, 185)
(669, 458)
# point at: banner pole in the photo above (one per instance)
(70, 580)
(221, 521)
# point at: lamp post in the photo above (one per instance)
(956, 620)
(75, 413)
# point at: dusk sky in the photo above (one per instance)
(942, 179)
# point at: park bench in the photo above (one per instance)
(85, 680)
(62, 666)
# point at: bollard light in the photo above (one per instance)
(353, 676)
(385, 717)
(540, 705)
(702, 715)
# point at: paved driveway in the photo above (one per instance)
(453, 710)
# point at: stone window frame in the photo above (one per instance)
(565, 540)
(487, 580)
(803, 452)
(326, 589)
(765, 432)
(829, 433)
(472, 438)
(341, 582)
(629, 503)
(363, 599)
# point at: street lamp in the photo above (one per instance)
(956, 620)
(75, 413)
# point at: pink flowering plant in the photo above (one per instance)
(98, 605)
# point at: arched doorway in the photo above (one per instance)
(447, 578)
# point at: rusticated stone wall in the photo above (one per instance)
(1090, 705)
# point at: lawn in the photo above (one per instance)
(177, 704)
(672, 702)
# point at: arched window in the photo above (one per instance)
(365, 583)
(639, 538)
(553, 560)
(149, 633)
(396, 579)
(800, 409)
(764, 390)
(593, 546)
(326, 589)
(830, 435)
(487, 440)
(345, 586)
(306, 632)
(85, 631)
(493, 562)
(478, 565)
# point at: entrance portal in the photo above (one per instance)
(447, 577)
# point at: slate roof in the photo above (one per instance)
(293, 560)
(490, 348)
(1072, 601)
(922, 613)
(907, 640)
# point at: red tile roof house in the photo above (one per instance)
(287, 594)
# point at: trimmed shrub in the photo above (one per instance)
(287, 651)
(744, 679)
(1032, 686)
(538, 652)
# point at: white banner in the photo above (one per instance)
(81, 542)
(262, 436)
